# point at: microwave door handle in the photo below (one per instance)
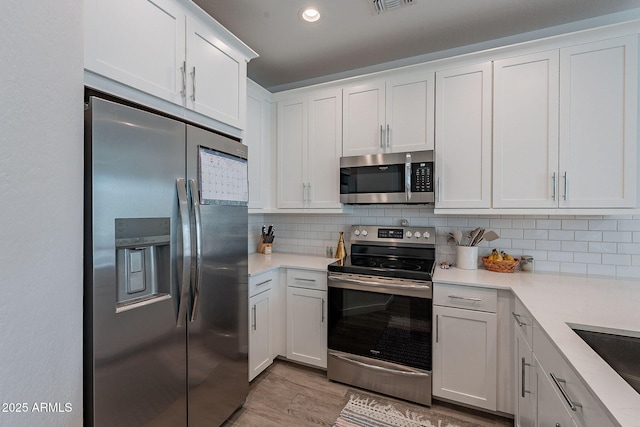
(407, 177)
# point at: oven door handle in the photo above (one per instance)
(379, 284)
(409, 373)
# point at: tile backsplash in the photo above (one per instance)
(594, 245)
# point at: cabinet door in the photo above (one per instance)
(259, 334)
(364, 110)
(526, 382)
(257, 137)
(463, 137)
(525, 131)
(146, 57)
(551, 410)
(216, 76)
(324, 149)
(292, 138)
(464, 356)
(598, 121)
(409, 113)
(307, 326)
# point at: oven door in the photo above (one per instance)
(379, 335)
(381, 319)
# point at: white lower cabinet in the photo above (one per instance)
(551, 410)
(465, 345)
(526, 382)
(260, 321)
(259, 334)
(307, 317)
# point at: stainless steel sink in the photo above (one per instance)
(620, 351)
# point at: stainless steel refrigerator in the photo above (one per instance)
(165, 270)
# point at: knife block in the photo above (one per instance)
(264, 248)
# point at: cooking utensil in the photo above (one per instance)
(473, 236)
(457, 236)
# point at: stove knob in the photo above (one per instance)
(357, 232)
(426, 235)
(417, 235)
(365, 233)
(409, 234)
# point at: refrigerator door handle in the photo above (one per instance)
(184, 264)
(197, 275)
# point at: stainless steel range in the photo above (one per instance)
(380, 307)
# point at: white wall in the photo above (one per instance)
(41, 174)
(595, 245)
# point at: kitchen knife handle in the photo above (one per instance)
(197, 274)
(184, 267)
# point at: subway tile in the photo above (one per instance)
(549, 266)
(549, 224)
(548, 245)
(573, 268)
(575, 224)
(511, 233)
(603, 247)
(536, 234)
(570, 246)
(523, 223)
(630, 272)
(601, 270)
(560, 256)
(500, 223)
(561, 235)
(616, 259)
(603, 224)
(628, 225)
(590, 236)
(587, 258)
(523, 244)
(617, 236)
(629, 248)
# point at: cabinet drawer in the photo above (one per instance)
(262, 282)
(589, 411)
(469, 297)
(524, 321)
(310, 279)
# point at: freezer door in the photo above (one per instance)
(135, 362)
(217, 330)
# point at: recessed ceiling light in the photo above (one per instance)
(310, 14)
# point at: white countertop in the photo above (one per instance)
(259, 263)
(555, 300)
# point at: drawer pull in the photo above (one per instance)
(263, 283)
(517, 317)
(304, 280)
(572, 405)
(465, 298)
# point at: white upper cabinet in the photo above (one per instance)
(389, 116)
(257, 138)
(598, 124)
(147, 57)
(463, 137)
(171, 50)
(309, 150)
(216, 76)
(525, 131)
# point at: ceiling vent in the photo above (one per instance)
(386, 5)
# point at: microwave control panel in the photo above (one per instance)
(421, 178)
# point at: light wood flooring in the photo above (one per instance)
(288, 394)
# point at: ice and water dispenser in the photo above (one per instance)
(142, 261)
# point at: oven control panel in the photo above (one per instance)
(404, 235)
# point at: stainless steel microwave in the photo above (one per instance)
(387, 178)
